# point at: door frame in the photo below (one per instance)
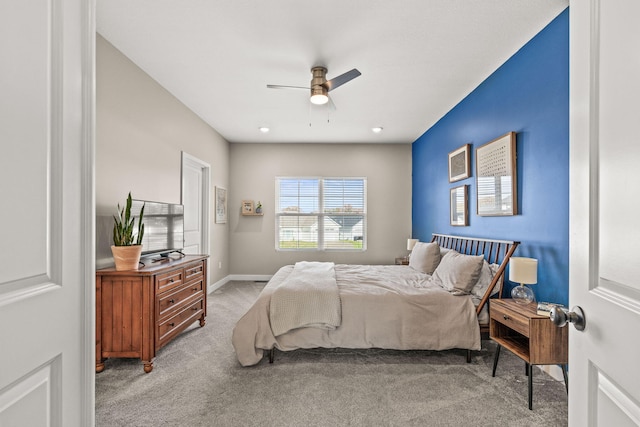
(88, 214)
(205, 199)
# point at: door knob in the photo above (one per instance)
(561, 317)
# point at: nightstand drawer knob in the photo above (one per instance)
(505, 317)
(561, 317)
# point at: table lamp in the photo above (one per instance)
(523, 271)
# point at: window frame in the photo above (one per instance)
(321, 244)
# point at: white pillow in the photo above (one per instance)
(486, 276)
(458, 273)
(425, 257)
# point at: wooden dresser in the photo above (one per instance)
(138, 312)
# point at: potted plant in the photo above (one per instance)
(259, 207)
(127, 246)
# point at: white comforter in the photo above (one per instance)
(308, 297)
(383, 306)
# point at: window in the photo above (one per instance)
(321, 214)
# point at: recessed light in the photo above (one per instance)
(264, 129)
(376, 129)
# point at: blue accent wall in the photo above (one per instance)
(528, 94)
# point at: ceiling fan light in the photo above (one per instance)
(319, 99)
(319, 92)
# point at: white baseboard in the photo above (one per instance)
(251, 277)
(214, 286)
(554, 371)
(244, 277)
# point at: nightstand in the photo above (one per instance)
(528, 335)
(402, 261)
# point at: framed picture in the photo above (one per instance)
(496, 177)
(221, 205)
(459, 163)
(247, 207)
(459, 206)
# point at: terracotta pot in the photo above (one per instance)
(126, 257)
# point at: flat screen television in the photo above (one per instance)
(163, 231)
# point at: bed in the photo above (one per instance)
(437, 302)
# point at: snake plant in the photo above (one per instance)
(123, 227)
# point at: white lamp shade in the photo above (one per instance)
(411, 243)
(523, 270)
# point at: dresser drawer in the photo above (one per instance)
(169, 280)
(194, 271)
(172, 301)
(512, 320)
(173, 325)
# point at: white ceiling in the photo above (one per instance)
(418, 59)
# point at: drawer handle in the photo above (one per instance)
(505, 317)
(194, 290)
(171, 301)
(171, 280)
(195, 309)
(172, 324)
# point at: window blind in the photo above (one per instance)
(321, 214)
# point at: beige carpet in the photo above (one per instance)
(197, 381)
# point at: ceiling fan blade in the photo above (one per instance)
(342, 79)
(286, 87)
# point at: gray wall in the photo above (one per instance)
(254, 167)
(141, 130)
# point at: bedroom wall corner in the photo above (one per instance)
(141, 130)
(254, 168)
(528, 94)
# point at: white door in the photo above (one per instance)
(604, 372)
(195, 198)
(46, 193)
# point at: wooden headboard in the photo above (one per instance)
(494, 251)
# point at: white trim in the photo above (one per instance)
(554, 371)
(617, 395)
(88, 214)
(240, 277)
(205, 198)
(251, 277)
(215, 286)
(46, 378)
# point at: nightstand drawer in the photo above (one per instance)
(511, 319)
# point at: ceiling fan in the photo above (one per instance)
(320, 86)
